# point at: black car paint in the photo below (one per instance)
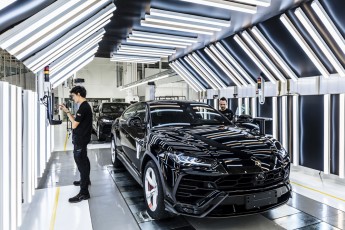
(223, 150)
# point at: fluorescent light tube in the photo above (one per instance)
(133, 52)
(326, 132)
(255, 59)
(319, 41)
(177, 44)
(149, 49)
(284, 121)
(275, 117)
(209, 71)
(263, 56)
(265, 3)
(147, 54)
(184, 77)
(254, 107)
(328, 24)
(189, 18)
(195, 65)
(154, 44)
(228, 73)
(304, 45)
(295, 129)
(189, 75)
(164, 36)
(6, 3)
(176, 28)
(233, 62)
(341, 136)
(259, 36)
(226, 5)
(143, 82)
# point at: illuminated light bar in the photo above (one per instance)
(228, 73)
(239, 107)
(189, 75)
(341, 136)
(254, 107)
(275, 117)
(304, 45)
(265, 3)
(263, 56)
(226, 5)
(62, 45)
(197, 68)
(6, 3)
(177, 44)
(233, 62)
(284, 123)
(328, 24)
(274, 53)
(132, 57)
(212, 74)
(247, 105)
(189, 18)
(176, 28)
(327, 132)
(144, 51)
(147, 54)
(148, 49)
(164, 36)
(58, 26)
(82, 65)
(184, 77)
(139, 42)
(168, 21)
(319, 41)
(255, 59)
(295, 128)
(156, 77)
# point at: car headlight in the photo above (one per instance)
(282, 152)
(106, 120)
(181, 158)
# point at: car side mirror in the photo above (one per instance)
(135, 122)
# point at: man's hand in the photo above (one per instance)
(63, 107)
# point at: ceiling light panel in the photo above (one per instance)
(189, 18)
(160, 41)
(188, 81)
(190, 76)
(304, 45)
(6, 3)
(226, 5)
(260, 37)
(147, 54)
(152, 43)
(149, 49)
(329, 25)
(319, 41)
(263, 56)
(233, 62)
(225, 70)
(164, 36)
(258, 63)
(175, 28)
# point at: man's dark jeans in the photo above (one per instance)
(83, 164)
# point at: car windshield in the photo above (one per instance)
(184, 114)
(113, 108)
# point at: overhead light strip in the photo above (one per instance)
(327, 133)
(234, 63)
(190, 76)
(143, 52)
(147, 54)
(319, 41)
(175, 28)
(226, 5)
(304, 45)
(197, 68)
(164, 36)
(259, 36)
(174, 67)
(295, 129)
(255, 59)
(212, 75)
(341, 136)
(157, 41)
(149, 49)
(328, 24)
(6, 3)
(225, 70)
(189, 18)
(138, 42)
(228, 65)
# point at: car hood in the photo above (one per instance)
(231, 146)
(109, 116)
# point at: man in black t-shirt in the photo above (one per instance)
(225, 111)
(82, 127)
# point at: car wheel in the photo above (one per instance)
(116, 162)
(153, 192)
(100, 135)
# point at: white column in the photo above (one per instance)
(239, 107)
(326, 144)
(295, 129)
(284, 123)
(246, 105)
(275, 117)
(342, 136)
(4, 157)
(19, 155)
(254, 107)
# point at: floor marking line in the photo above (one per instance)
(53, 218)
(315, 190)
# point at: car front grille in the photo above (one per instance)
(195, 187)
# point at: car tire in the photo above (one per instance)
(153, 192)
(114, 159)
(100, 135)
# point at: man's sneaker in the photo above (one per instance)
(79, 197)
(77, 183)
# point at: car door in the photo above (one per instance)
(133, 136)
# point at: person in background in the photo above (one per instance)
(223, 103)
(81, 136)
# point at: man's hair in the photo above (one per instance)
(223, 99)
(79, 89)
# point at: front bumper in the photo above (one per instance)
(105, 129)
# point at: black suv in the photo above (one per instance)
(104, 115)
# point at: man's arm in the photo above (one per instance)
(70, 117)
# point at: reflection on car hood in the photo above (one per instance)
(233, 146)
(109, 116)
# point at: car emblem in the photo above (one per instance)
(260, 177)
(258, 163)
